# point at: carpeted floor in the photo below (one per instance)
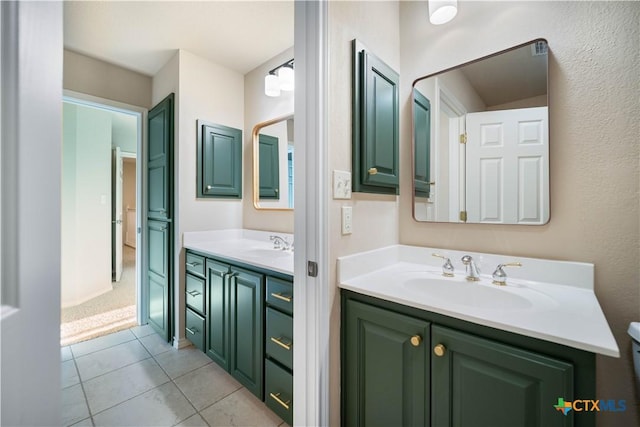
(107, 313)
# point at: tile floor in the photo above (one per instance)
(134, 378)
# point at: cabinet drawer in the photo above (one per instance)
(195, 293)
(195, 329)
(194, 264)
(279, 342)
(280, 294)
(279, 391)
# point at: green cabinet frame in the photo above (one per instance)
(219, 161)
(422, 144)
(375, 117)
(269, 166)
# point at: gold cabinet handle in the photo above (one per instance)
(431, 183)
(416, 340)
(373, 171)
(439, 350)
(192, 264)
(276, 397)
(194, 293)
(285, 298)
(192, 332)
(285, 345)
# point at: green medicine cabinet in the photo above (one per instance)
(219, 158)
(375, 124)
(269, 167)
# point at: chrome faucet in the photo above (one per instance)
(447, 267)
(281, 243)
(499, 276)
(472, 270)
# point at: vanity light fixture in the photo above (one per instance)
(442, 11)
(281, 78)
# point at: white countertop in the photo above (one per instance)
(545, 299)
(246, 246)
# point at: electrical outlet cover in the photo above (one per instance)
(341, 184)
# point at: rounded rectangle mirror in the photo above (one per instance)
(273, 155)
(481, 140)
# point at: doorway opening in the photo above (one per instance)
(101, 184)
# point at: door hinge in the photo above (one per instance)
(463, 216)
(463, 138)
(312, 269)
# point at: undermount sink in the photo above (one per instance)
(267, 253)
(479, 295)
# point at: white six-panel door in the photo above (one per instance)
(507, 167)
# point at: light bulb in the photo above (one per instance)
(286, 76)
(271, 85)
(442, 11)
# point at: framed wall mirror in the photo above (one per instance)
(273, 154)
(481, 140)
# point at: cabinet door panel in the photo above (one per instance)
(219, 163)
(247, 329)
(386, 376)
(479, 382)
(218, 315)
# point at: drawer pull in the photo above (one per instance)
(192, 332)
(285, 345)
(193, 264)
(276, 397)
(194, 293)
(285, 298)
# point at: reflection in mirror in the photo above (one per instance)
(481, 140)
(273, 164)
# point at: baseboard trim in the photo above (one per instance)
(179, 343)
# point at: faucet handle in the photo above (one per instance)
(499, 276)
(447, 267)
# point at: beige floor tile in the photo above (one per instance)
(122, 384)
(84, 423)
(97, 344)
(179, 362)
(69, 374)
(74, 406)
(142, 331)
(162, 406)
(194, 421)
(240, 409)
(112, 358)
(65, 354)
(207, 385)
(155, 344)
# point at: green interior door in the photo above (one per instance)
(158, 293)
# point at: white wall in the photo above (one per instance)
(210, 92)
(594, 108)
(86, 204)
(259, 108)
(375, 217)
(31, 95)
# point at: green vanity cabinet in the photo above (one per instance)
(241, 316)
(234, 322)
(385, 367)
(456, 374)
(375, 120)
(278, 393)
(219, 161)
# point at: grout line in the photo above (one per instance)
(84, 393)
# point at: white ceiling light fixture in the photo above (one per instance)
(442, 11)
(281, 78)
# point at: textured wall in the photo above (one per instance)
(98, 78)
(594, 108)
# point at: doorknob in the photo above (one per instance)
(439, 350)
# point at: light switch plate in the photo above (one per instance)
(347, 220)
(341, 184)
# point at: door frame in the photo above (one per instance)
(311, 232)
(141, 114)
